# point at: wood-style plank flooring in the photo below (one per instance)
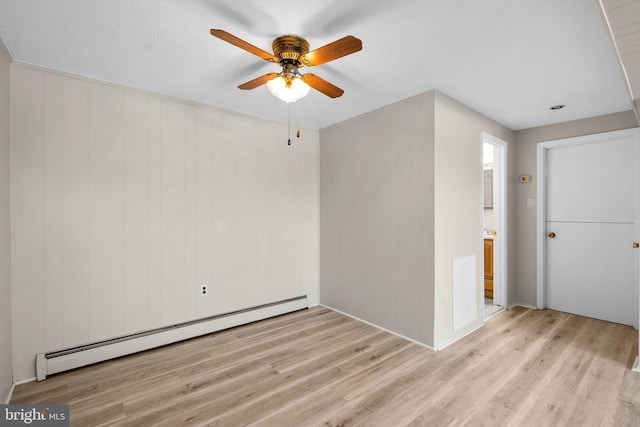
(320, 368)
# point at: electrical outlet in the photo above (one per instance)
(204, 290)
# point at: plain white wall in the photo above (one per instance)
(458, 203)
(124, 203)
(376, 258)
(6, 363)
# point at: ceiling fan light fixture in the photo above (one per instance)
(292, 52)
(288, 90)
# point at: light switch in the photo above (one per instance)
(529, 203)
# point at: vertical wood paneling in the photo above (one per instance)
(52, 170)
(409, 200)
(275, 217)
(154, 208)
(75, 211)
(189, 284)
(295, 274)
(309, 216)
(173, 212)
(374, 204)
(204, 261)
(425, 296)
(247, 218)
(105, 212)
(382, 231)
(229, 220)
(136, 213)
(6, 327)
(27, 241)
(217, 162)
(264, 150)
(283, 237)
(124, 203)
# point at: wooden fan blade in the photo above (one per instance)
(321, 85)
(252, 84)
(339, 48)
(230, 38)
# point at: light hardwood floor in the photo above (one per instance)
(319, 368)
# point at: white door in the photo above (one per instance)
(590, 214)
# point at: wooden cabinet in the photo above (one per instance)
(488, 268)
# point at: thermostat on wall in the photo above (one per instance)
(525, 178)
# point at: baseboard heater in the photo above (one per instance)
(74, 357)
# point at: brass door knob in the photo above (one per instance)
(552, 235)
(636, 245)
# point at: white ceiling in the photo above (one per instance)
(509, 60)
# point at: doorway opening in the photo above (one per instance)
(494, 224)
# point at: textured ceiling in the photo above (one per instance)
(509, 60)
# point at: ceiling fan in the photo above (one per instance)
(292, 53)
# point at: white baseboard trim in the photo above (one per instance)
(459, 337)
(636, 365)
(519, 304)
(27, 380)
(495, 314)
(13, 387)
(379, 327)
(10, 395)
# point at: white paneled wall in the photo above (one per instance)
(377, 217)
(6, 363)
(401, 199)
(123, 203)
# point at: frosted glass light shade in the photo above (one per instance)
(296, 90)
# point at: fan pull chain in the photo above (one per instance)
(289, 141)
(298, 118)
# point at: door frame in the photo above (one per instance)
(541, 218)
(500, 242)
